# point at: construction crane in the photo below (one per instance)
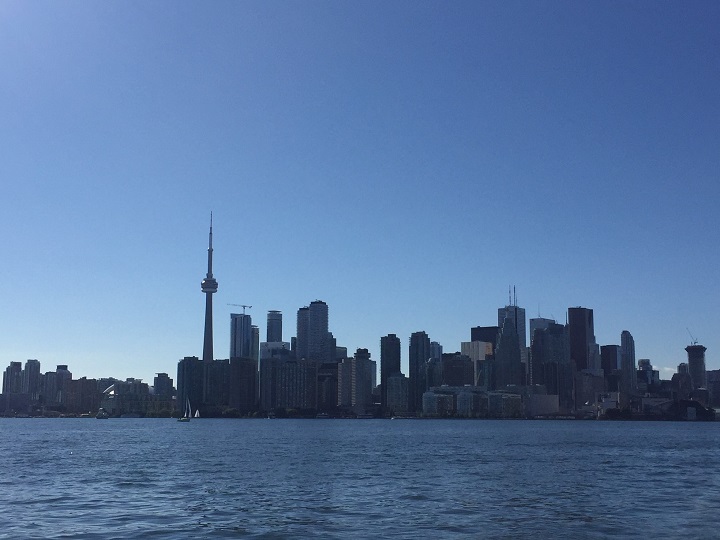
(693, 341)
(242, 306)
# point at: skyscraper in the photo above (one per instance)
(419, 354)
(583, 347)
(696, 365)
(318, 336)
(302, 338)
(389, 363)
(274, 327)
(628, 384)
(241, 339)
(209, 286)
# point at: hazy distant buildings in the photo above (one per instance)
(508, 365)
(516, 315)
(551, 365)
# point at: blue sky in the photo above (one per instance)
(403, 161)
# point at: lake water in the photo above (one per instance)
(158, 478)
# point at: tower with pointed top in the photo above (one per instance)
(209, 286)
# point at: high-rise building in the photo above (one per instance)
(517, 319)
(418, 356)
(696, 365)
(302, 339)
(319, 339)
(583, 347)
(241, 336)
(551, 363)
(628, 383)
(12, 379)
(274, 326)
(389, 363)
(190, 383)
(209, 286)
(31, 379)
(508, 365)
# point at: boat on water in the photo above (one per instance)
(102, 414)
(188, 411)
(197, 413)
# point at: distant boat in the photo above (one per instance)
(197, 413)
(102, 414)
(186, 417)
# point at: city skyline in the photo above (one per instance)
(404, 163)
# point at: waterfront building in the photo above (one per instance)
(190, 382)
(163, 385)
(551, 365)
(481, 356)
(243, 382)
(628, 383)
(583, 347)
(508, 365)
(457, 369)
(419, 353)
(389, 363)
(31, 379)
(696, 365)
(397, 394)
(516, 315)
(12, 379)
(241, 336)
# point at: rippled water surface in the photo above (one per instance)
(158, 478)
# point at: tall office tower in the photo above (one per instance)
(31, 379)
(318, 336)
(209, 286)
(303, 331)
(389, 363)
(12, 379)
(436, 350)
(363, 371)
(62, 375)
(583, 347)
(419, 354)
(610, 358)
(255, 343)
(241, 337)
(551, 363)
(517, 318)
(539, 323)
(190, 383)
(628, 368)
(683, 369)
(508, 360)
(274, 326)
(696, 365)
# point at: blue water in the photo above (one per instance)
(158, 478)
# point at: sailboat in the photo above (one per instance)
(186, 417)
(197, 413)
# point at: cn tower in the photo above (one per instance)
(209, 286)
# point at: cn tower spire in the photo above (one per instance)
(209, 286)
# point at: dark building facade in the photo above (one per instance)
(419, 354)
(389, 363)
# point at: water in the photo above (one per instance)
(158, 478)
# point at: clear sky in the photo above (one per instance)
(403, 161)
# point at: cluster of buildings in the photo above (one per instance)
(28, 391)
(561, 372)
